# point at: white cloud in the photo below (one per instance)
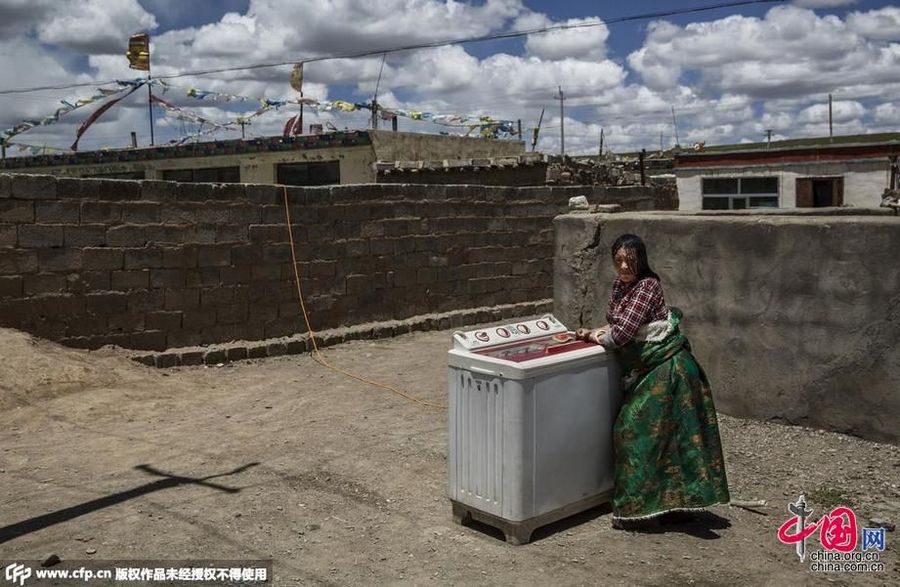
(888, 113)
(842, 112)
(20, 16)
(343, 26)
(882, 25)
(588, 42)
(823, 3)
(29, 64)
(95, 26)
(728, 79)
(779, 121)
(791, 51)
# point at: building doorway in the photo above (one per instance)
(820, 192)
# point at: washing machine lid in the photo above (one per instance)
(530, 364)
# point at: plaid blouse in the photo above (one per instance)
(632, 305)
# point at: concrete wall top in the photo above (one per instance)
(768, 212)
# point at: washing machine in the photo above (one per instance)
(531, 412)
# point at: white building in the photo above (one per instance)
(843, 171)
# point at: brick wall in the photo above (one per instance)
(152, 265)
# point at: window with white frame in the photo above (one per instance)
(737, 193)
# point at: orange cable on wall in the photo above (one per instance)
(316, 355)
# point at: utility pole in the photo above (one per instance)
(375, 96)
(768, 138)
(536, 131)
(562, 120)
(830, 129)
(600, 154)
(243, 122)
(660, 142)
(675, 124)
(150, 102)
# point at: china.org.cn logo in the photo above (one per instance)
(839, 536)
(17, 573)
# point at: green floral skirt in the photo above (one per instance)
(668, 454)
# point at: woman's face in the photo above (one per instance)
(625, 265)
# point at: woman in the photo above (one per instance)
(668, 455)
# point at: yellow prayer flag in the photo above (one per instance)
(139, 52)
(297, 77)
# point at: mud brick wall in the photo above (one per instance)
(152, 265)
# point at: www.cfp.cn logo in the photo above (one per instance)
(17, 573)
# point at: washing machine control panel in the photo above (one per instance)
(489, 336)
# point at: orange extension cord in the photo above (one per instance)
(316, 355)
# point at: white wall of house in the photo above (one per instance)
(864, 180)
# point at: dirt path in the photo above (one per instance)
(345, 484)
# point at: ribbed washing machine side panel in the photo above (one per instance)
(485, 428)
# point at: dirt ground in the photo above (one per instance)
(345, 484)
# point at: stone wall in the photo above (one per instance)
(794, 317)
(152, 265)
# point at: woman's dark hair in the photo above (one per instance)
(637, 253)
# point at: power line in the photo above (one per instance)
(429, 45)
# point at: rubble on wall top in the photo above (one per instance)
(527, 160)
(611, 171)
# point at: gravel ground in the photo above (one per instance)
(341, 483)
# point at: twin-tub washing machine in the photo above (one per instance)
(531, 413)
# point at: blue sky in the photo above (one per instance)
(731, 73)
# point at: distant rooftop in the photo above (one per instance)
(200, 149)
(811, 150)
(842, 141)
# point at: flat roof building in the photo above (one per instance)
(331, 158)
(839, 171)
